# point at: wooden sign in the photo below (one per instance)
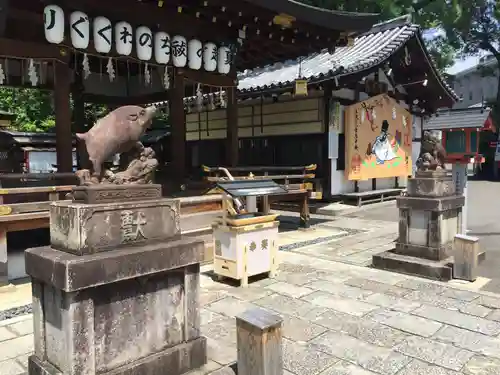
(378, 139)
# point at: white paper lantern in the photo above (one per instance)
(102, 34)
(53, 21)
(210, 57)
(179, 51)
(195, 49)
(124, 38)
(144, 43)
(162, 47)
(79, 25)
(224, 60)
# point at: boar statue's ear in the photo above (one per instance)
(133, 117)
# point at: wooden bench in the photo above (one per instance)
(197, 214)
(372, 196)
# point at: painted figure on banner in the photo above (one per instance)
(378, 139)
(383, 148)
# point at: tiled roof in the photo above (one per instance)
(368, 51)
(458, 118)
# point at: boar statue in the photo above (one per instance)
(116, 133)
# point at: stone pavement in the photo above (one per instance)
(341, 318)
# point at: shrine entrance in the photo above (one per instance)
(90, 51)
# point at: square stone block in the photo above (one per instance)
(95, 194)
(128, 311)
(80, 228)
(430, 187)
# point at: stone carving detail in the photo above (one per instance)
(432, 154)
(131, 225)
(117, 133)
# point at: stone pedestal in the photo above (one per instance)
(429, 218)
(118, 290)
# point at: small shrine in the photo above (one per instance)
(460, 132)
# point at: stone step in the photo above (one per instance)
(436, 270)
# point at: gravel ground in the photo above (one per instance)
(15, 312)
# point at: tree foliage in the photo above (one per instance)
(473, 26)
(33, 108)
(429, 14)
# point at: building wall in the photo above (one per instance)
(286, 117)
(473, 87)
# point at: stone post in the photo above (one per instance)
(117, 292)
(429, 217)
(466, 257)
(259, 343)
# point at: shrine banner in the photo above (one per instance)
(378, 133)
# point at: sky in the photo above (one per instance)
(460, 65)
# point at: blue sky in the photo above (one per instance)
(460, 65)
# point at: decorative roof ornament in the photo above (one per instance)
(2, 75)
(32, 73)
(111, 70)
(85, 66)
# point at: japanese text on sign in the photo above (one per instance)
(132, 225)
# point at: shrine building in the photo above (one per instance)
(386, 74)
(92, 51)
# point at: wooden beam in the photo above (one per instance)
(232, 146)
(28, 50)
(149, 14)
(126, 100)
(4, 10)
(62, 89)
(207, 78)
(178, 129)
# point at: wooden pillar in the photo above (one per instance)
(304, 211)
(82, 158)
(178, 132)
(326, 161)
(232, 146)
(259, 339)
(62, 89)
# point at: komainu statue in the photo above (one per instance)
(432, 154)
(116, 133)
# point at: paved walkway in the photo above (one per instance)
(341, 318)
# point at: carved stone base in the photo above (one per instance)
(430, 187)
(94, 194)
(128, 311)
(435, 270)
(81, 228)
(178, 360)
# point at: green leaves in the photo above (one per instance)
(33, 108)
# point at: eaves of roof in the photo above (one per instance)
(370, 50)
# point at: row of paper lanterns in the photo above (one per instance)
(194, 53)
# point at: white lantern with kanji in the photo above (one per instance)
(210, 57)
(179, 51)
(195, 49)
(144, 43)
(224, 60)
(162, 47)
(80, 30)
(53, 22)
(102, 34)
(123, 38)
